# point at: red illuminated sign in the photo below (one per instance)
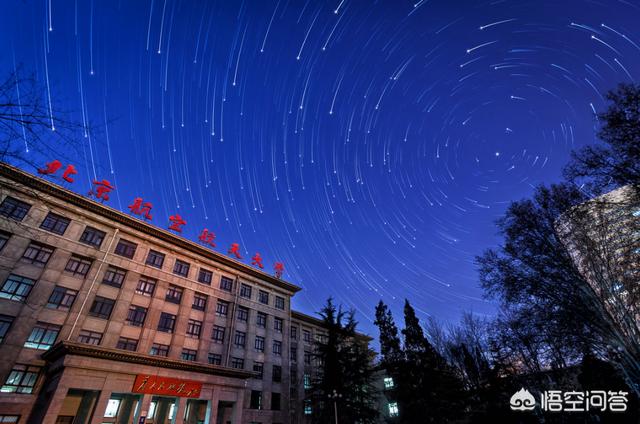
(155, 385)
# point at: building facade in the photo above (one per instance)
(107, 319)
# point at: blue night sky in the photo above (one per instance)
(368, 145)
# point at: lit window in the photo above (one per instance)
(636, 213)
(43, 336)
(21, 379)
(393, 409)
(112, 408)
(152, 409)
(307, 407)
(388, 382)
(307, 381)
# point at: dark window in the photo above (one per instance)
(102, 307)
(14, 208)
(199, 301)
(218, 334)
(222, 308)
(167, 322)
(294, 354)
(294, 375)
(126, 248)
(243, 313)
(94, 237)
(90, 337)
(78, 265)
(237, 363)
(226, 284)
(4, 238)
(155, 259)
(43, 336)
(146, 286)
(158, 349)
(21, 379)
(279, 302)
(127, 344)
(205, 276)
(114, 276)
(256, 399)
(174, 294)
(277, 347)
(215, 359)
(259, 343)
(240, 339)
(306, 336)
(277, 324)
(276, 374)
(294, 333)
(55, 223)
(194, 328)
(16, 287)
(37, 254)
(245, 291)
(5, 324)
(181, 268)
(263, 297)
(307, 358)
(136, 315)
(62, 298)
(259, 368)
(261, 319)
(275, 401)
(188, 355)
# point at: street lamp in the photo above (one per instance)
(335, 396)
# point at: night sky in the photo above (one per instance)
(369, 146)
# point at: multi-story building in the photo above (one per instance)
(105, 318)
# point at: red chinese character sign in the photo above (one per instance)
(140, 207)
(176, 223)
(257, 260)
(156, 385)
(235, 250)
(207, 237)
(54, 166)
(101, 190)
(279, 269)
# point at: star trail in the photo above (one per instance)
(367, 145)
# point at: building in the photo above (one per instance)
(107, 319)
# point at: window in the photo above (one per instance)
(167, 322)
(294, 333)
(263, 297)
(226, 284)
(222, 308)
(102, 307)
(215, 358)
(155, 259)
(237, 363)
(245, 291)
(388, 382)
(158, 349)
(78, 266)
(90, 337)
(194, 328)
(240, 339)
(294, 375)
(16, 287)
(94, 237)
(277, 347)
(188, 355)
(37, 254)
(205, 276)
(136, 315)
(243, 313)
(294, 354)
(256, 400)
(127, 344)
(62, 298)
(113, 405)
(259, 368)
(261, 319)
(199, 301)
(276, 374)
(181, 268)
(393, 409)
(4, 238)
(146, 286)
(275, 401)
(126, 248)
(55, 223)
(307, 357)
(307, 407)
(14, 208)
(259, 344)
(43, 336)
(279, 302)
(306, 336)
(5, 324)
(174, 294)
(114, 276)
(307, 381)
(277, 324)
(218, 334)
(9, 418)
(21, 379)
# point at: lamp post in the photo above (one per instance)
(335, 396)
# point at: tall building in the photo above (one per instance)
(107, 319)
